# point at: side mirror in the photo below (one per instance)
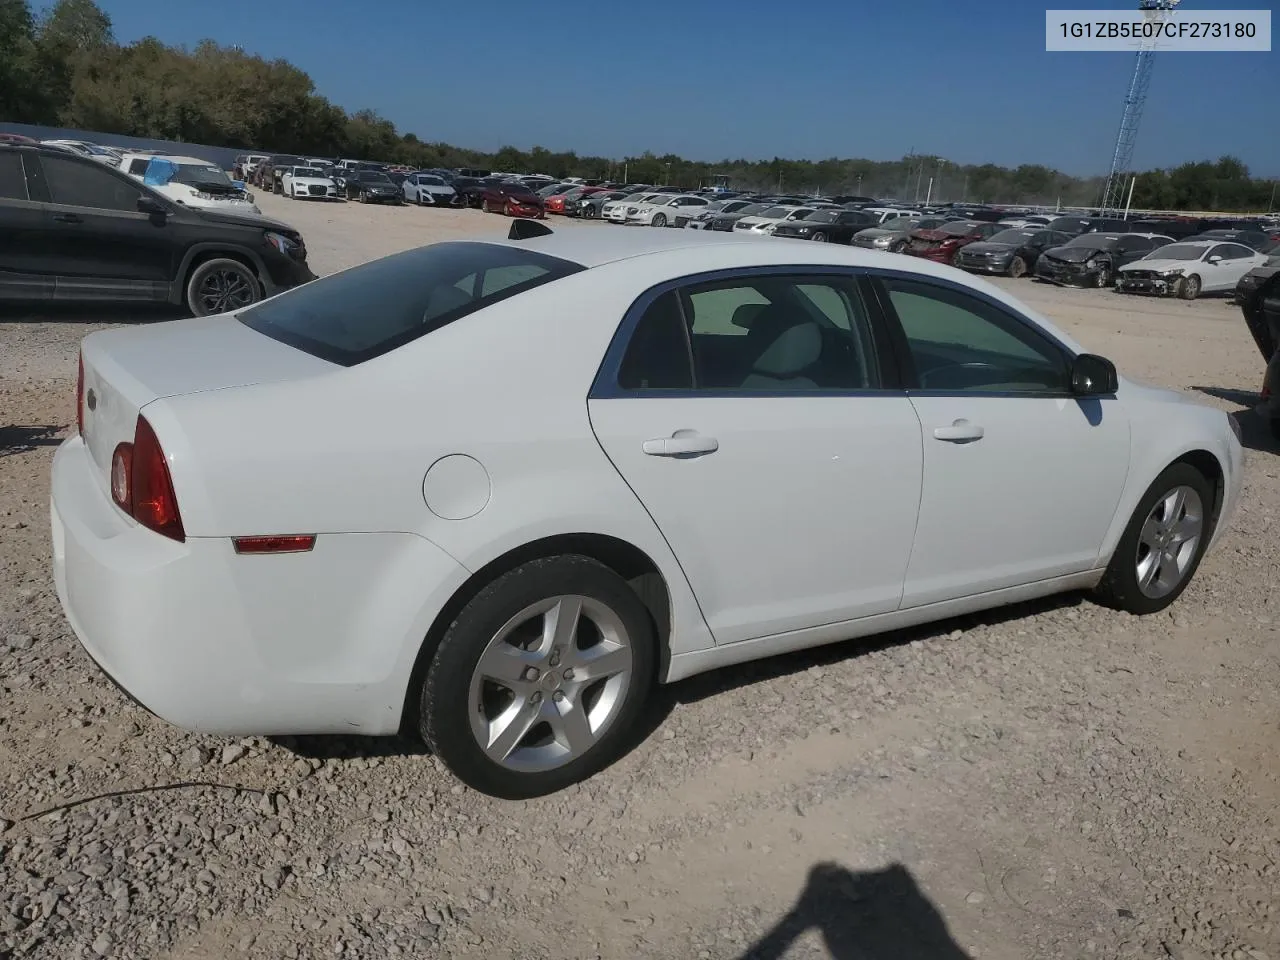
(1214, 259)
(152, 206)
(1093, 376)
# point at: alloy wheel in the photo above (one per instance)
(549, 683)
(225, 290)
(1168, 541)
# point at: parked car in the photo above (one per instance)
(941, 244)
(309, 183)
(514, 199)
(663, 210)
(276, 169)
(90, 150)
(190, 181)
(516, 609)
(588, 207)
(428, 190)
(1035, 221)
(894, 235)
(74, 229)
(1254, 239)
(1092, 259)
(372, 186)
(1079, 225)
(718, 207)
(762, 224)
(830, 226)
(618, 211)
(1012, 252)
(1259, 295)
(723, 222)
(1189, 268)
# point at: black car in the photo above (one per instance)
(1259, 294)
(74, 229)
(1092, 259)
(372, 186)
(832, 226)
(1256, 239)
(588, 207)
(1078, 225)
(1012, 252)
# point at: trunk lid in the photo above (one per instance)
(126, 369)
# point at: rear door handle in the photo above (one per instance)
(962, 431)
(681, 444)
(67, 218)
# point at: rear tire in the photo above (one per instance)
(462, 706)
(1130, 582)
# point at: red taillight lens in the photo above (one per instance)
(141, 485)
(80, 395)
(289, 544)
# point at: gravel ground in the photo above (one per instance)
(1054, 780)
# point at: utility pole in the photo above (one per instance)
(1271, 204)
(919, 178)
(929, 196)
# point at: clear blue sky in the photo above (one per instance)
(969, 81)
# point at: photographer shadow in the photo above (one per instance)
(863, 915)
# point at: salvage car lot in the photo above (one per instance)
(1112, 778)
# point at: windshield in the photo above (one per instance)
(775, 212)
(823, 216)
(307, 172)
(1178, 251)
(959, 228)
(372, 176)
(1016, 237)
(361, 313)
(202, 176)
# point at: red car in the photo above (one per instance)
(941, 243)
(513, 199)
(558, 203)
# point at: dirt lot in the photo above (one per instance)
(1049, 781)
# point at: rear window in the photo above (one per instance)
(372, 309)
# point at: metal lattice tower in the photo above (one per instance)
(1113, 198)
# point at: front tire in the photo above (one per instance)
(1017, 268)
(1163, 544)
(1102, 279)
(220, 286)
(1189, 287)
(539, 681)
(819, 237)
(659, 220)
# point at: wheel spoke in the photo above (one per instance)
(508, 728)
(1173, 505)
(506, 664)
(1188, 528)
(570, 726)
(604, 660)
(1150, 535)
(1149, 569)
(560, 625)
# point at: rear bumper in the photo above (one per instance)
(318, 642)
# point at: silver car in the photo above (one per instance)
(894, 235)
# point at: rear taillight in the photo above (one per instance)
(141, 485)
(80, 395)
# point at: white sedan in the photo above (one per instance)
(1189, 268)
(317, 517)
(665, 209)
(762, 224)
(427, 190)
(309, 183)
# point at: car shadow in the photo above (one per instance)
(24, 439)
(666, 697)
(91, 313)
(1255, 432)
(862, 915)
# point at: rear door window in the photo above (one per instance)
(13, 183)
(372, 309)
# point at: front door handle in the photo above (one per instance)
(962, 431)
(682, 443)
(67, 218)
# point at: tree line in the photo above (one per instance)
(66, 68)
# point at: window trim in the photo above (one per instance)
(128, 181)
(902, 349)
(605, 385)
